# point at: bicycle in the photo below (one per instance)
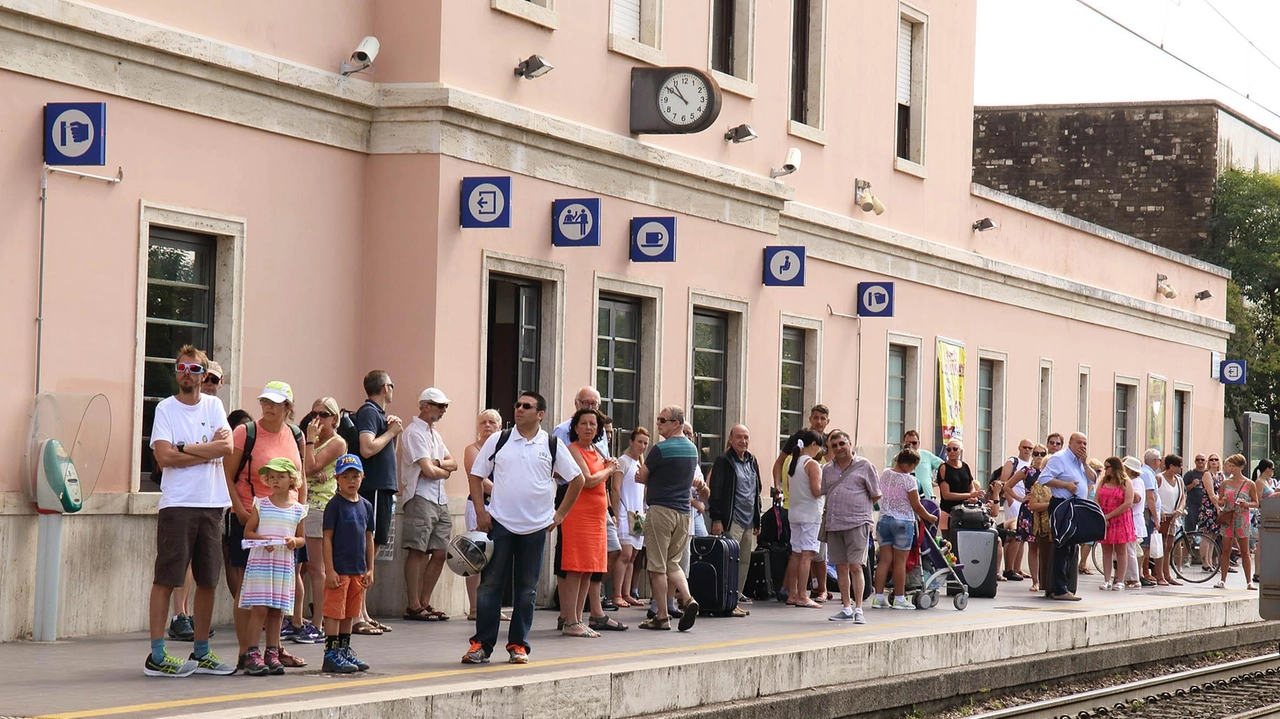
(1185, 556)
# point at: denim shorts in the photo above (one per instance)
(898, 533)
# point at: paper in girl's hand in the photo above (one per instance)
(273, 542)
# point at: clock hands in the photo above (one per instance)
(676, 91)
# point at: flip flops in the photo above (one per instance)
(586, 633)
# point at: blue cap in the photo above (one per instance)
(348, 461)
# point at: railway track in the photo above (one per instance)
(1244, 689)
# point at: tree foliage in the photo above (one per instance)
(1244, 237)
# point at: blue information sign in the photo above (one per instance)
(653, 239)
(575, 223)
(1233, 371)
(75, 133)
(784, 266)
(486, 202)
(875, 299)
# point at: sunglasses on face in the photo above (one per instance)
(525, 405)
(913, 444)
(837, 444)
(325, 414)
(1025, 449)
(188, 368)
(210, 379)
(437, 404)
(1039, 454)
(953, 449)
(663, 420)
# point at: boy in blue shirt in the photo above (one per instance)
(348, 564)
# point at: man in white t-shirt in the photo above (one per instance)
(1150, 465)
(522, 507)
(1013, 496)
(190, 436)
(425, 464)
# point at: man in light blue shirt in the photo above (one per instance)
(587, 398)
(1066, 475)
(1151, 463)
(928, 466)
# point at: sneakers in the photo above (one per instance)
(309, 634)
(475, 655)
(516, 654)
(879, 603)
(858, 617)
(288, 631)
(253, 664)
(211, 664)
(351, 658)
(272, 661)
(844, 615)
(168, 666)
(690, 614)
(739, 612)
(902, 602)
(335, 662)
(182, 629)
(1068, 597)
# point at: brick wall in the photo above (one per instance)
(1147, 171)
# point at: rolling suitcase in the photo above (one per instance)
(713, 574)
(979, 552)
(760, 576)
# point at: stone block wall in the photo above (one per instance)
(1144, 170)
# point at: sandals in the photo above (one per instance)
(289, 660)
(366, 628)
(418, 615)
(379, 625)
(587, 632)
(662, 625)
(1220, 585)
(606, 624)
(808, 605)
(1035, 587)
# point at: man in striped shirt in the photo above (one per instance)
(852, 487)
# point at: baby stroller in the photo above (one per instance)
(944, 570)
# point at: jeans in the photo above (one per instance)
(518, 554)
(1063, 556)
(699, 525)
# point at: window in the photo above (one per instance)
(991, 401)
(1181, 421)
(1126, 417)
(515, 329)
(635, 29)
(618, 362)
(710, 375)
(179, 311)
(538, 12)
(807, 41)
(1046, 398)
(912, 44)
(902, 391)
(1082, 401)
(731, 44)
(792, 402)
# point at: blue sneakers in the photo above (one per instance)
(351, 658)
(335, 661)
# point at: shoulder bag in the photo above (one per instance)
(822, 526)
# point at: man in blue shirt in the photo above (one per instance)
(667, 474)
(1066, 475)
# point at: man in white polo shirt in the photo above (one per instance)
(424, 465)
(522, 507)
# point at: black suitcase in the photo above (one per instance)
(979, 552)
(713, 574)
(760, 576)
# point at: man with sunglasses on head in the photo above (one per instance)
(425, 464)
(190, 437)
(929, 463)
(1194, 479)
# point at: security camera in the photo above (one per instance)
(789, 165)
(362, 59)
(1165, 289)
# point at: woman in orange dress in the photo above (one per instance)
(583, 540)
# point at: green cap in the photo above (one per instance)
(279, 464)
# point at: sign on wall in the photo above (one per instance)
(653, 239)
(1156, 390)
(951, 390)
(875, 299)
(575, 223)
(486, 202)
(784, 266)
(1234, 371)
(75, 133)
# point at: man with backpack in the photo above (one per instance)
(523, 463)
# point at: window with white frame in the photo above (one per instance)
(911, 67)
(902, 386)
(618, 361)
(1046, 398)
(990, 414)
(637, 21)
(539, 12)
(1126, 417)
(1082, 401)
(710, 382)
(731, 38)
(791, 403)
(808, 38)
(1181, 421)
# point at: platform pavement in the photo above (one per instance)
(416, 670)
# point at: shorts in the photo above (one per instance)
(301, 556)
(666, 535)
(313, 523)
(345, 601)
(848, 546)
(611, 543)
(238, 556)
(555, 562)
(381, 499)
(804, 537)
(898, 533)
(188, 536)
(425, 526)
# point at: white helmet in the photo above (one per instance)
(469, 553)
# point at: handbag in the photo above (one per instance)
(1157, 545)
(636, 520)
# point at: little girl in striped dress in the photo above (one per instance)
(268, 588)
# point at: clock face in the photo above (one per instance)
(683, 99)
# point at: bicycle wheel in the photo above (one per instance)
(1095, 557)
(1195, 557)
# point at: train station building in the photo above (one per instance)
(462, 225)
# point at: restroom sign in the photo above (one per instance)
(486, 202)
(575, 223)
(653, 239)
(784, 266)
(75, 133)
(875, 299)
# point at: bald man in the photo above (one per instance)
(587, 398)
(1066, 475)
(735, 501)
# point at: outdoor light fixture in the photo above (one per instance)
(362, 59)
(741, 133)
(1203, 295)
(1164, 288)
(985, 224)
(790, 164)
(863, 198)
(535, 66)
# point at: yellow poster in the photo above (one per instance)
(951, 390)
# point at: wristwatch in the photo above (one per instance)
(182, 447)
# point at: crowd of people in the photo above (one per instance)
(281, 505)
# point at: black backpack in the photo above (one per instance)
(347, 431)
(995, 474)
(553, 444)
(251, 437)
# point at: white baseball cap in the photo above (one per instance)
(432, 395)
(278, 392)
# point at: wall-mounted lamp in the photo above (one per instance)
(741, 133)
(790, 164)
(1203, 295)
(863, 198)
(362, 59)
(535, 66)
(985, 224)
(1164, 288)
